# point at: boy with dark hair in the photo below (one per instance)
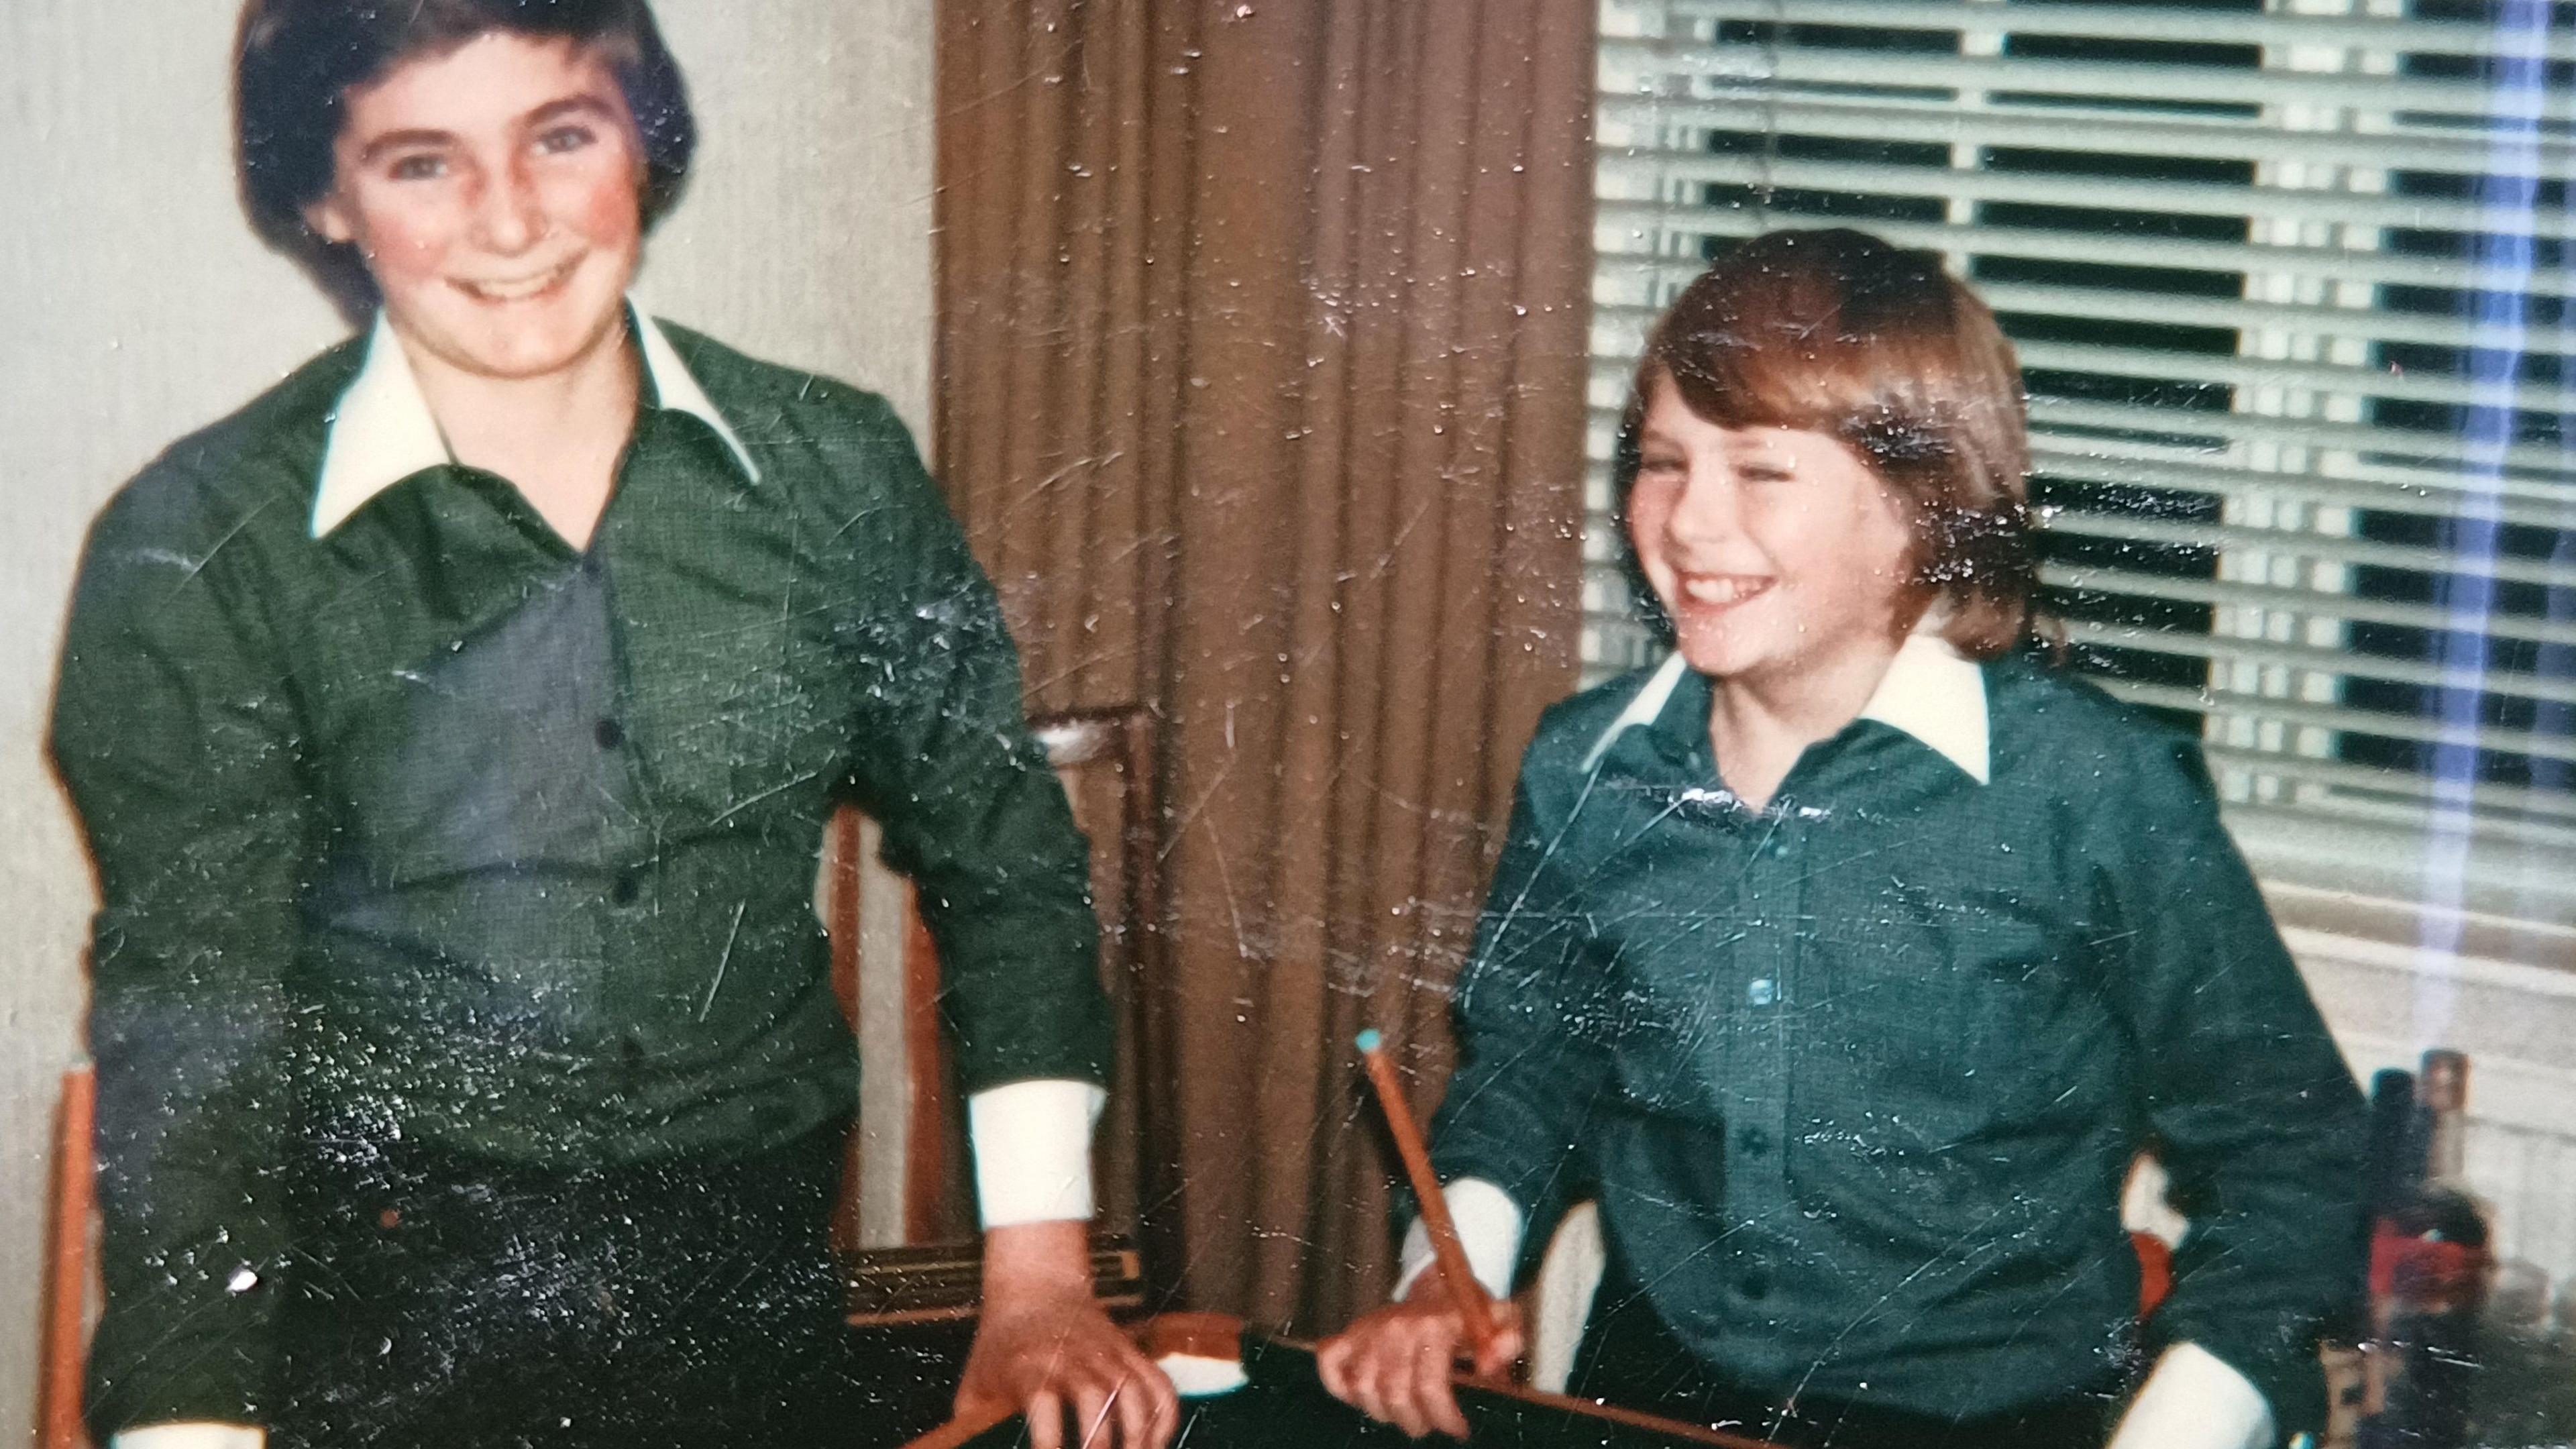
(1854, 952)
(297, 60)
(454, 730)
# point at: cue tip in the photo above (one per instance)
(1370, 1041)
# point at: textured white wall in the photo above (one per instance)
(135, 306)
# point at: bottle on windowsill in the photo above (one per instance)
(2429, 1268)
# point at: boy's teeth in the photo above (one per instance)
(1722, 590)
(513, 291)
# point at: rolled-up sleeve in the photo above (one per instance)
(971, 809)
(174, 735)
(2255, 1114)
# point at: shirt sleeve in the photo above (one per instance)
(1531, 1056)
(972, 812)
(175, 739)
(1033, 1151)
(2253, 1112)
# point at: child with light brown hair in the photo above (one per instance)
(1848, 957)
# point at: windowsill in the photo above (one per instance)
(2501, 992)
(2490, 899)
(2412, 924)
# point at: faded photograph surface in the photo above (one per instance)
(1142, 723)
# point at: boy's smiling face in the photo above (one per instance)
(495, 191)
(1775, 552)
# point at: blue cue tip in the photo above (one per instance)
(1369, 1040)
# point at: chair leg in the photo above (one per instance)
(67, 1268)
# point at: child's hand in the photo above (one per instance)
(1394, 1364)
(1043, 1345)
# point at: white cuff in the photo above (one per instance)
(189, 1436)
(2193, 1400)
(1489, 1228)
(1033, 1151)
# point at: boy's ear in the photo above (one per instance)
(329, 219)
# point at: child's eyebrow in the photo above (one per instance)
(403, 140)
(584, 105)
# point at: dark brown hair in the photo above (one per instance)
(297, 60)
(1840, 333)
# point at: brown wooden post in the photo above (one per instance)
(67, 1266)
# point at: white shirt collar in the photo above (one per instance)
(1930, 691)
(1644, 709)
(382, 431)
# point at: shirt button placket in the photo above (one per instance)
(632, 929)
(1759, 1158)
(1788, 849)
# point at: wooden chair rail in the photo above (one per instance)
(944, 1282)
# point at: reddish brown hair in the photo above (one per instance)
(1840, 333)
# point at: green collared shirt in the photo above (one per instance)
(1856, 1078)
(411, 819)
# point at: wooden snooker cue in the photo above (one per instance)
(1474, 1308)
(1216, 1335)
(1204, 1335)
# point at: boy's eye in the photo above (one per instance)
(420, 166)
(564, 138)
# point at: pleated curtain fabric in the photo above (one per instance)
(1262, 364)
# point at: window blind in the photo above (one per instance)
(2291, 285)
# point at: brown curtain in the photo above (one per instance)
(1263, 352)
